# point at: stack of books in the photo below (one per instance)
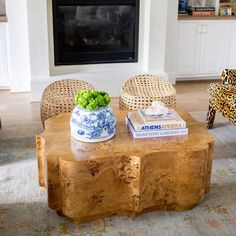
(163, 125)
(201, 11)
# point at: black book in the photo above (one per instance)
(191, 8)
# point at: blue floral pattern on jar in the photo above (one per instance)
(92, 126)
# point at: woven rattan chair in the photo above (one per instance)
(58, 97)
(223, 98)
(140, 91)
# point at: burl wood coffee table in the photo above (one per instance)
(123, 176)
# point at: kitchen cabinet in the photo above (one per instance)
(4, 77)
(205, 48)
(188, 48)
(200, 48)
(231, 45)
(212, 48)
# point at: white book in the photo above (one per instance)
(156, 133)
(158, 124)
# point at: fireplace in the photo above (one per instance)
(95, 31)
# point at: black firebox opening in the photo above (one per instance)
(95, 31)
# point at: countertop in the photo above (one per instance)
(3, 19)
(188, 17)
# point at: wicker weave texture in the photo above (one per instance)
(58, 97)
(140, 91)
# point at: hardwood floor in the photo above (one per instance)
(192, 95)
(16, 108)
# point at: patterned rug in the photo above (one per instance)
(24, 211)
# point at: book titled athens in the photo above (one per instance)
(173, 122)
(155, 133)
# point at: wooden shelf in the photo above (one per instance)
(188, 17)
(3, 19)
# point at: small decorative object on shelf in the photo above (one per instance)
(226, 7)
(92, 120)
(155, 121)
(201, 11)
(233, 6)
(225, 11)
(183, 7)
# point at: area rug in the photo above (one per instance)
(24, 210)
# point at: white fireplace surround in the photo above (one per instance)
(143, 38)
(156, 48)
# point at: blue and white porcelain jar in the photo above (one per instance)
(92, 126)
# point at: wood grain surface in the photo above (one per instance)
(123, 176)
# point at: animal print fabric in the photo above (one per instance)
(223, 99)
(228, 77)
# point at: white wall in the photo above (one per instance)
(157, 35)
(38, 39)
(171, 40)
(4, 78)
(19, 61)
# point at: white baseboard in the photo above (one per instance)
(198, 78)
(5, 87)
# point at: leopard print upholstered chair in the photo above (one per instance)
(223, 98)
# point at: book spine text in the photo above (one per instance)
(159, 133)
